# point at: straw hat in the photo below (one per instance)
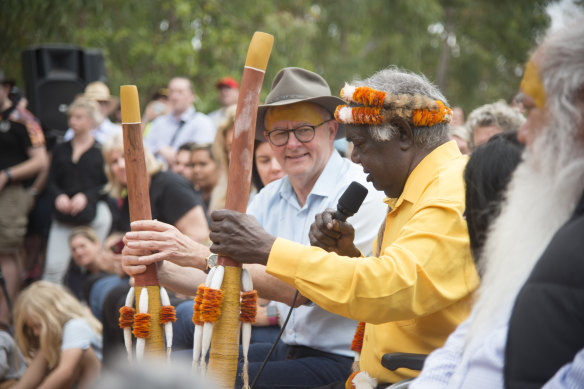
(100, 92)
(293, 85)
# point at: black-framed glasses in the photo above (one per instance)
(304, 134)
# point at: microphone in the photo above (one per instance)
(350, 201)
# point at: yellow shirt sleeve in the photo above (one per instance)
(426, 268)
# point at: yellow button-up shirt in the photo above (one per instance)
(419, 289)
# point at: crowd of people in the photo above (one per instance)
(463, 258)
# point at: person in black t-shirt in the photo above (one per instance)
(173, 199)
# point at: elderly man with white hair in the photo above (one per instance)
(543, 195)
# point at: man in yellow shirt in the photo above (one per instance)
(417, 288)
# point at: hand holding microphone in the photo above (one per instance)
(330, 231)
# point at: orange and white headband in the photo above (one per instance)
(378, 107)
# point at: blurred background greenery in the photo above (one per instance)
(473, 49)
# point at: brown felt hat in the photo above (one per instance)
(293, 85)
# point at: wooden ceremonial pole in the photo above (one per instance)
(139, 201)
(224, 352)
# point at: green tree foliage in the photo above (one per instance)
(473, 49)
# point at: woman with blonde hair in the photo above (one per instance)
(173, 199)
(75, 183)
(222, 151)
(59, 336)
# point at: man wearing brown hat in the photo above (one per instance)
(100, 92)
(417, 287)
(297, 120)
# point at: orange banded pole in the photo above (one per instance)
(139, 202)
(223, 356)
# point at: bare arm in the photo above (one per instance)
(34, 374)
(66, 374)
(181, 260)
(179, 279)
(33, 165)
(194, 224)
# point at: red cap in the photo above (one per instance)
(228, 82)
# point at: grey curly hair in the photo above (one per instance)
(396, 81)
(498, 113)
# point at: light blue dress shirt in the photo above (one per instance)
(570, 376)
(197, 128)
(468, 363)
(277, 210)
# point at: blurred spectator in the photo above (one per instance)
(63, 343)
(39, 218)
(457, 117)
(22, 156)
(461, 136)
(266, 167)
(85, 268)
(222, 151)
(173, 200)
(76, 180)
(228, 90)
(12, 365)
(183, 123)
(104, 128)
(205, 171)
(486, 176)
(491, 119)
(182, 163)
(156, 107)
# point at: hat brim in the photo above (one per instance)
(329, 103)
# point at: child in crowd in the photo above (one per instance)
(59, 336)
(11, 363)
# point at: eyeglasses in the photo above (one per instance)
(304, 134)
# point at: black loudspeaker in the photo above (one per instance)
(54, 76)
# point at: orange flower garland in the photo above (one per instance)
(428, 118)
(167, 314)
(249, 306)
(358, 115)
(363, 95)
(377, 107)
(357, 343)
(211, 305)
(142, 325)
(197, 307)
(126, 317)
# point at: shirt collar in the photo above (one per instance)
(187, 115)
(424, 172)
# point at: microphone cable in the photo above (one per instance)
(276, 342)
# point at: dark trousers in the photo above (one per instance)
(294, 367)
(289, 366)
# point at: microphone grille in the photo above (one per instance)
(353, 197)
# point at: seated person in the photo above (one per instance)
(301, 135)
(63, 343)
(418, 285)
(552, 168)
(173, 200)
